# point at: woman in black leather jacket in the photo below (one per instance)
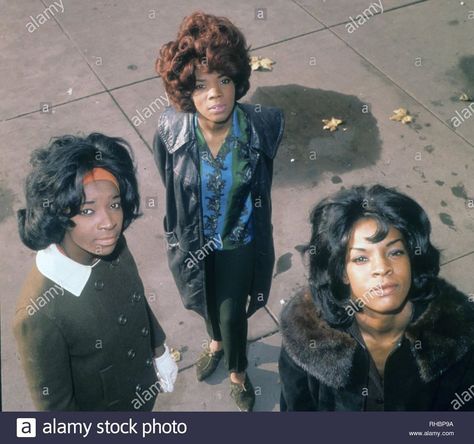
(215, 157)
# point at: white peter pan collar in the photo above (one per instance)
(62, 270)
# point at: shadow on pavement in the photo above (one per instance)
(307, 150)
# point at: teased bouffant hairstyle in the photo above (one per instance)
(54, 189)
(207, 42)
(332, 222)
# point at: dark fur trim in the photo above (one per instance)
(440, 336)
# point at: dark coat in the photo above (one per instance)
(177, 158)
(432, 369)
(93, 351)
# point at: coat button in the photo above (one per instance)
(136, 297)
(149, 362)
(131, 353)
(122, 319)
(114, 263)
(99, 285)
(138, 388)
(145, 331)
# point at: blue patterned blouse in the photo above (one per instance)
(225, 186)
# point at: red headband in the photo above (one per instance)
(100, 174)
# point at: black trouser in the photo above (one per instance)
(228, 283)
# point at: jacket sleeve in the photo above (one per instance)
(45, 358)
(157, 334)
(281, 118)
(295, 391)
(274, 118)
(159, 154)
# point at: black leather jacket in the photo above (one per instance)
(176, 156)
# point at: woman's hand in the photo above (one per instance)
(166, 370)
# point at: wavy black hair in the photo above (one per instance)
(54, 190)
(332, 223)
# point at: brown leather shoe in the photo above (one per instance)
(243, 395)
(207, 363)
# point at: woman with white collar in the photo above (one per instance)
(87, 338)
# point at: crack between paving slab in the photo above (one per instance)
(286, 40)
(106, 90)
(54, 106)
(325, 27)
(457, 258)
(272, 315)
(82, 98)
(348, 21)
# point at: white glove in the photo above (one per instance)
(166, 370)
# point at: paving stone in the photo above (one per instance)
(40, 68)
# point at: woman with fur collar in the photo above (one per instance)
(377, 329)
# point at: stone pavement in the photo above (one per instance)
(84, 66)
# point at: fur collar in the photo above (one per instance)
(445, 329)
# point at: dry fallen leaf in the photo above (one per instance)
(401, 115)
(175, 354)
(465, 98)
(331, 124)
(261, 63)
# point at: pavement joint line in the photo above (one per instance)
(272, 315)
(265, 335)
(83, 97)
(99, 79)
(457, 258)
(134, 83)
(278, 42)
(55, 106)
(348, 21)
